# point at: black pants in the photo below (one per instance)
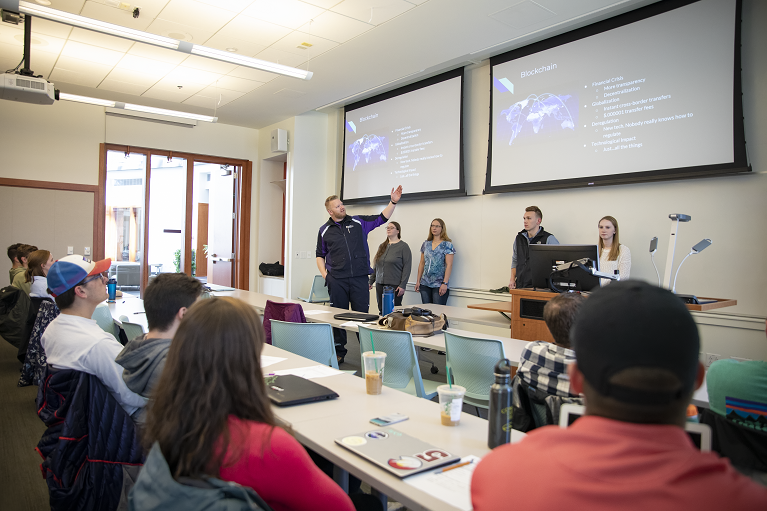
(379, 296)
(344, 291)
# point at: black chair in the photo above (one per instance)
(745, 447)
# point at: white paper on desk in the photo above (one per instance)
(453, 486)
(315, 312)
(266, 360)
(318, 371)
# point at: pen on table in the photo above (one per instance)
(140, 312)
(458, 466)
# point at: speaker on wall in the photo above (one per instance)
(279, 141)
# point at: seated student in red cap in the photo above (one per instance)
(637, 365)
(75, 341)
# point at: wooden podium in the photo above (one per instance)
(526, 312)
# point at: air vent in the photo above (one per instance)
(29, 84)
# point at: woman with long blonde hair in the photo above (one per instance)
(612, 254)
(436, 264)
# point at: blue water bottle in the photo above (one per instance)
(387, 301)
(112, 289)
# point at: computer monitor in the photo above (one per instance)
(545, 258)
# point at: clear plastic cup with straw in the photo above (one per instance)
(450, 402)
(374, 371)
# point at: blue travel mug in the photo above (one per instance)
(387, 300)
(112, 289)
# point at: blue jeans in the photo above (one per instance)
(431, 295)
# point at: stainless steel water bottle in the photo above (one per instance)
(499, 416)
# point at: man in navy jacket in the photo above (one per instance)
(343, 257)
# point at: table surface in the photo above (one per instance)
(317, 425)
(129, 306)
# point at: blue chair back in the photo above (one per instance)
(311, 340)
(401, 361)
(471, 363)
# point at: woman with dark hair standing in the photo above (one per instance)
(210, 416)
(392, 265)
(436, 265)
(612, 254)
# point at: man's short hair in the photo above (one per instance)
(559, 315)
(536, 210)
(66, 299)
(637, 347)
(165, 295)
(25, 250)
(12, 252)
(329, 200)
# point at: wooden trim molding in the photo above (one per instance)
(100, 208)
(189, 204)
(242, 256)
(47, 185)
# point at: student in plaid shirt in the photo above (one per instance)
(544, 365)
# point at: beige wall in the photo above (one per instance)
(61, 219)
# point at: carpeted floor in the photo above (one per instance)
(22, 487)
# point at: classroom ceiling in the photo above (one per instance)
(358, 48)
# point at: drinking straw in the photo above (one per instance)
(375, 360)
(448, 379)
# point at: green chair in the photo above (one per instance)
(311, 340)
(401, 371)
(132, 330)
(103, 316)
(471, 363)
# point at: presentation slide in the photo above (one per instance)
(651, 95)
(412, 139)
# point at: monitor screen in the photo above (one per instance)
(410, 136)
(545, 258)
(649, 95)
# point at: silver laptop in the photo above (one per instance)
(700, 434)
(398, 453)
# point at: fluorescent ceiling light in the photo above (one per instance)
(156, 40)
(136, 108)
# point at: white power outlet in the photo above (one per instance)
(711, 358)
(70, 250)
(87, 251)
(303, 254)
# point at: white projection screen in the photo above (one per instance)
(650, 95)
(411, 136)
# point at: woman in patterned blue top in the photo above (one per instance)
(436, 265)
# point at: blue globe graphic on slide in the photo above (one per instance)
(370, 148)
(535, 116)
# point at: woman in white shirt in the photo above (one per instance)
(38, 264)
(612, 255)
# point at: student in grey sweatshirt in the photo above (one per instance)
(166, 300)
(392, 265)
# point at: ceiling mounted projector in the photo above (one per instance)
(27, 89)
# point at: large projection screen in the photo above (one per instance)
(410, 136)
(649, 95)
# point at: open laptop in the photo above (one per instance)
(288, 390)
(396, 452)
(700, 434)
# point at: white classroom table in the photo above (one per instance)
(316, 425)
(133, 307)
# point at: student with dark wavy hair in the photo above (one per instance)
(210, 417)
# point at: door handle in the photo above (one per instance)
(222, 259)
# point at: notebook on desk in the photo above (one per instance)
(396, 452)
(289, 390)
(355, 316)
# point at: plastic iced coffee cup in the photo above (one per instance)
(450, 404)
(374, 371)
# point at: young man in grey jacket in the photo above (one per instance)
(166, 300)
